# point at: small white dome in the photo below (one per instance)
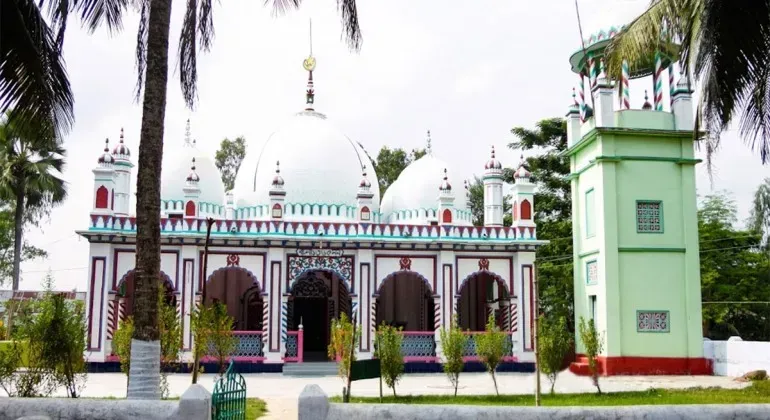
(209, 178)
(319, 165)
(417, 189)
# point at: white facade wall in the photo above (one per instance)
(735, 357)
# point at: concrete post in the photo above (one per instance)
(313, 404)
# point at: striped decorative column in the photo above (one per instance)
(514, 317)
(624, 92)
(112, 312)
(265, 320)
(436, 312)
(657, 81)
(593, 72)
(121, 309)
(582, 98)
(671, 84)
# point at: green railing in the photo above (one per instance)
(229, 398)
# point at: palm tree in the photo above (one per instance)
(33, 80)
(27, 180)
(726, 45)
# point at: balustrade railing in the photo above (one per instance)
(295, 341)
(248, 348)
(470, 354)
(419, 346)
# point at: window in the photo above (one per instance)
(102, 198)
(652, 321)
(592, 307)
(649, 216)
(365, 214)
(447, 216)
(277, 211)
(592, 272)
(590, 213)
(526, 210)
(189, 209)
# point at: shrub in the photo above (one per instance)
(121, 343)
(10, 362)
(220, 338)
(388, 350)
(63, 341)
(342, 348)
(592, 342)
(199, 326)
(553, 343)
(453, 346)
(491, 347)
(170, 339)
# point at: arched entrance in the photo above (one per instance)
(405, 300)
(239, 290)
(125, 293)
(482, 294)
(317, 297)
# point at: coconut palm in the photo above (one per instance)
(725, 45)
(32, 77)
(152, 65)
(29, 169)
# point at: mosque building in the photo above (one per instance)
(305, 237)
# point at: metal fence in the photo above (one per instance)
(228, 401)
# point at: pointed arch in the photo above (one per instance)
(189, 209)
(393, 275)
(446, 217)
(499, 279)
(476, 301)
(405, 299)
(526, 210)
(102, 200)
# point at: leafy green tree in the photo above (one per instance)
(388, 350)
(391, 162)
(491, 347)
(759, 220)
(724, 47)
(342, 349)
(453, 343)
(28, 166)
(63, 342)
(170, 339)
(733, 269)
(476, 202)
(121, 343)
(553, 214)
(7, 236)
(200, 319)
(229, 158)
(554, 342)
(593, 344)
(221, 339)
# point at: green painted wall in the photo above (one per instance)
(637, 271)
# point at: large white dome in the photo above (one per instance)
(175, 179)
(318, 163)
(417, 189)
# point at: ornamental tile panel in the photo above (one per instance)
(419, 345)
(332, 260)
(652, 321)
(649, 217)
(592, 272)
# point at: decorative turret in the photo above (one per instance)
(123, 169)
(493, 191)
(229, 206)
(523, 197)
(364, 197)
(681, 103)
(277, 194)
(467, 195)
(573, 120)
(192, 192)
(446, 199)
(104, 182)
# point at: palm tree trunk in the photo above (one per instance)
(144, 373)
(18, 231)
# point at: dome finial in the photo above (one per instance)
(121, 150)
(188, 141)
(493, 164)
(277, 179)
(522, 171)
(647, 104)
(428, 148)
(445, 185)
(309, 65)
(106, 158)
(193, 177)
(364, 185)
(106, 145)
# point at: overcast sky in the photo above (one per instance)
(468, 71)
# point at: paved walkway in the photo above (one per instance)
(281, 392)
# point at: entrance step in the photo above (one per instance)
(310, 369)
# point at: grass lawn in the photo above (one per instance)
(255, 408)
(756, 393)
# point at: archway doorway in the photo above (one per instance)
(481, 295)
(317, 297)
(125, 293)
(404, 300)
(238, 289)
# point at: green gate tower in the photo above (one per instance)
(634, 213)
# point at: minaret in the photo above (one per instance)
(364, 198)
(446, 200)
(523, 197)
(192, 193)
(493, 192)
(123, 169)
(229, 206)
(277, 194)
(681, 103)
(104, 182)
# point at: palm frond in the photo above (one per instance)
(141, 45)
(282, 6)
(205, 25)
(188, 67)
(350, 24)
(33, 80)
(96, 13)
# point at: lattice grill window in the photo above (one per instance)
(649, 217)
(592, 272)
